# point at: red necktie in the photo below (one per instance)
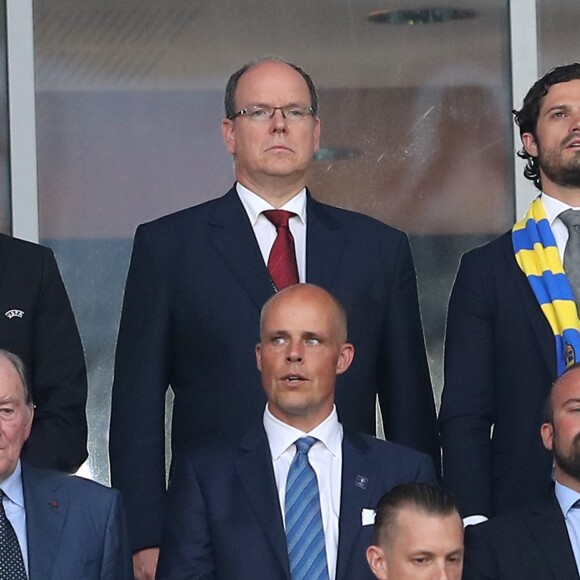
(282, 259)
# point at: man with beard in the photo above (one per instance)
(541, 541)
(512, 324)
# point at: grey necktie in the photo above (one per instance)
(571, 219)
(11, 562)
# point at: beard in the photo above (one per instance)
(568, 462)
(558, 169)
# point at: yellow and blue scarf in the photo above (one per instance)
(537, 255)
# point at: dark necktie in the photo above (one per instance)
(11, 562)
(282, 260)
(304, 531)
(571, 219)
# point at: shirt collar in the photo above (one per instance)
(281, 436)
(12, 486)
(255, 205)
(566, 497)
(554, 207)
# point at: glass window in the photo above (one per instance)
(558, 40)
(416, 131)
(5, 206)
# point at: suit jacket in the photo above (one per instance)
(500, 362)
(75, 528)
(196, 284)
(529, 543)
(224, 520)
(37, 324)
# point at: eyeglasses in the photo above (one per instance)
(265, 113)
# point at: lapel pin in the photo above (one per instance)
(14, 313)
(53, 504)
(361, 481)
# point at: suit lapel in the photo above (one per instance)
(46, 512)
(538, 321)
(548, 528)
(325, 242)
(232, 235)
(256, 474)
(357, 493)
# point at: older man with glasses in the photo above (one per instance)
(198, 279)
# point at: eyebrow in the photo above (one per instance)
(560, 107)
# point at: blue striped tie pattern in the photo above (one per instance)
(304, 531)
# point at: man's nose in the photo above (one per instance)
(278, 122)
(295, 353)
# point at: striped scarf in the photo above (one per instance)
(537, 255)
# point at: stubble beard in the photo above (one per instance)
(569, 462)
(561, 171)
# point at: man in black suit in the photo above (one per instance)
(37, 323)
(500, 351)
(198, 279)
(542, 540)
(231, 506)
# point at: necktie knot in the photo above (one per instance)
(304, 444)
(279, 217)
(570, 218)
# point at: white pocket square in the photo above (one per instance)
(368, 517)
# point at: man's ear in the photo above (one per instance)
(547, 431)
(530, 144)
(377, 562)
(229, 135)
(344, 358)
(259, 357)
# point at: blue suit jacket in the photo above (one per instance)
(528, 543)
(75, 528)
(500, 363)
(224, 521)
(46, 338)
(196, 284)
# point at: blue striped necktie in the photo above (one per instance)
(304, 531)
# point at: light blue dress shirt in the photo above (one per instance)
(567, 498)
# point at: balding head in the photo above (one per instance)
(302, 349)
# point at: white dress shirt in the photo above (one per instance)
(567, 498)
(265, 231)
(554, 207)
(14, 508)
(325, 456)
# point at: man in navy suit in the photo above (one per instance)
(54, 526)
(541, 540)
(500, 350)
(37, 323)
(227, 503)
(198, 279)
